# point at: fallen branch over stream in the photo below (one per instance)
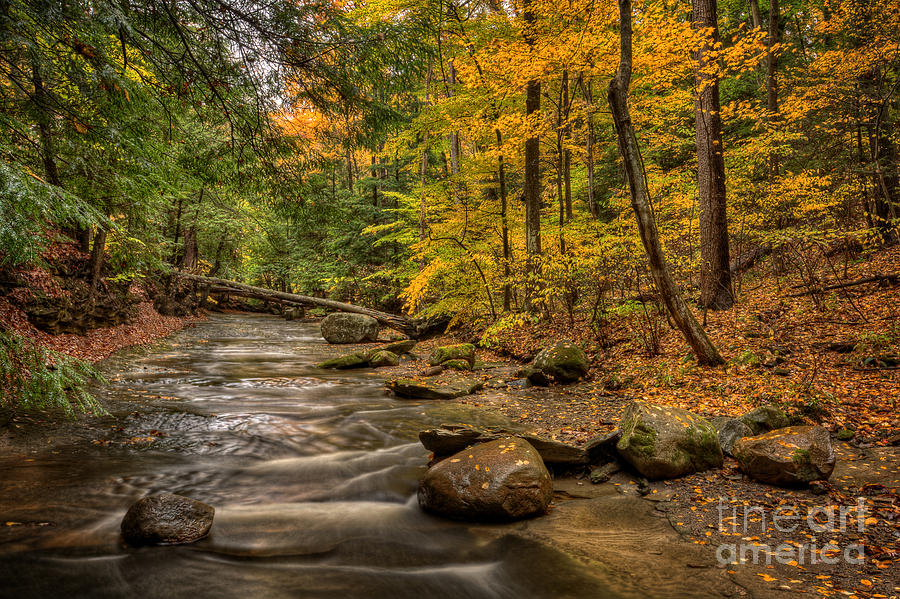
(412, 328)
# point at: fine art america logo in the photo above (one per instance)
(817, 521)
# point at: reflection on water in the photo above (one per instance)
(312, 474)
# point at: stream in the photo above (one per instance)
(313, 477)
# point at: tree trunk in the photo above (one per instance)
(454, 141)
(588, 91)
(97, 255)
(423, 167)
(567, 153)
(391, 320)
(705, 351)
(504, 224)
(532, 191)
(715, 276)
(771, 81)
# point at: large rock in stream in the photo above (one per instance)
(564, 362)
(447, 353)
(667, 442)
(792, 456)
(450, 439)
(434, 387)
(765, 418)
(345, 327)
(166, 519)
(499, 480)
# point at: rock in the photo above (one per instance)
(764, 419)
(432, 371)
(460, 351)
(563, 362)
(383, 358)
(450, 439)
(667, 442)
(604, 473)
(346, 327)
(603, 448)
(499, 480)
(431, 389)
(729, 430)
(796, 455)
(457, 365)
(166, 519)
(536, 377)
(400, 347)
(354, 360)
(845, 434)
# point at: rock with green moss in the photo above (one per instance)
(343, 327)
(383, 358)
(765, 418)
(563, 362)
(354, 360)
(457, 365)
(845, 434)
(791, 456)
(667, 442)
(730, 430)
(400, 347)
(459, 351)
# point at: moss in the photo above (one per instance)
(845, 434)
(641, 439)
(801, 456)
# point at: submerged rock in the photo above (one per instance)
(503, 479)
(354, 360)
(346, 327)
(764, 419)
(432, 389)
(667, 442)
(166, 519)
(459, 351)
(564, 362)
(796, 455)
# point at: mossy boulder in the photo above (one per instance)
(667, 442)
(500, 480)
(346, 327)
(564, 362)
(400, 347)
(459, 351)
(457, 365)
(383, 358)
(354, 360)
(791, 456)
(765, 418)
(729, 431)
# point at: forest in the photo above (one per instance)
(701, 197)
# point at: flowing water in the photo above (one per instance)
(312, 474)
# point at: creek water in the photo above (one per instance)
(312, 474)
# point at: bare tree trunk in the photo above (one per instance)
(423, 168)
(715, 276)
(567, 153)
(454, 141)
(587, 89)
(532, 191)
(755, 18)
(706, 352)
(771, 81)
(504, 224)
(97, 255)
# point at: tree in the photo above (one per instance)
(532, 191)
(715, 273)
(706, 352)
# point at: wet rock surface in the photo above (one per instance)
(166, 519)
(501, 480)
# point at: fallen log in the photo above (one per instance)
(404, 325)
(889, 278)
(747, 259)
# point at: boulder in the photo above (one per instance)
(603, 447)
(535, 377)
(400, 347)
(667, 442)
(381, 358)
(450, 439)
(166, 519)
(457, 365)
(354, 360)
(460, 351)
(764, 419)
(432, 389)
(729, 431)
(499, 480)
(791, 456)
(604, 473)
(563, 362)
(346, 327)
